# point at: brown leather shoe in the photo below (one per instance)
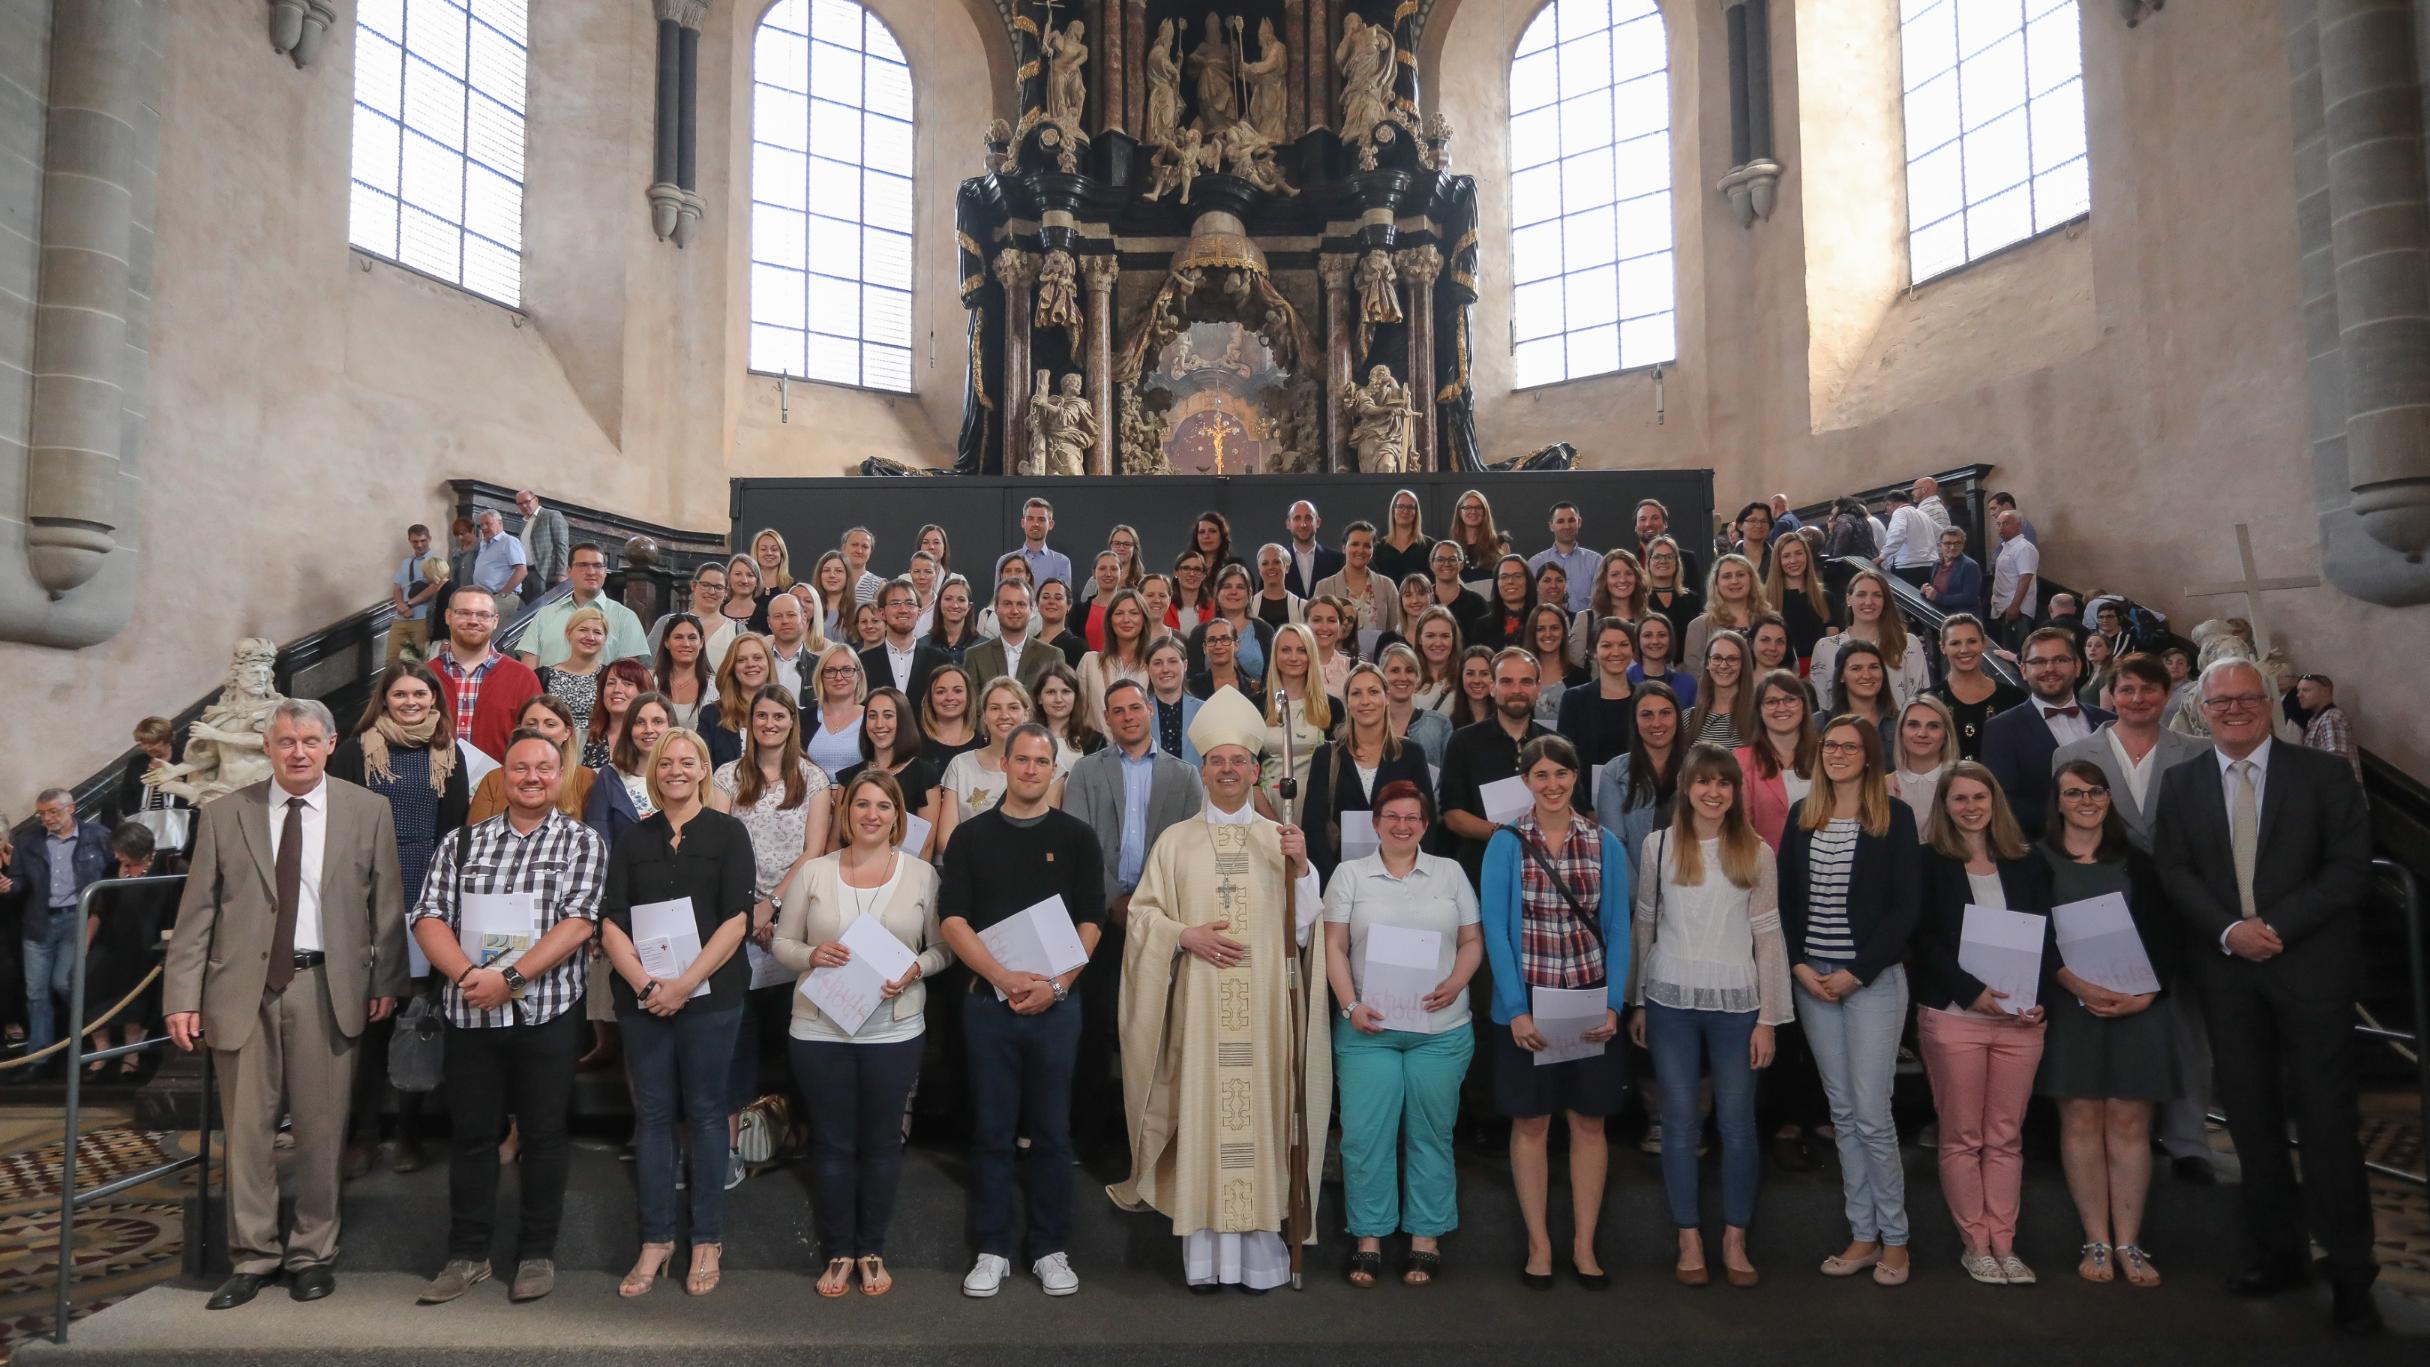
(1741, 1277)
(1699, 1275)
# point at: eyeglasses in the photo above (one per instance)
(2081, 794)
(840, 671)
(2047, 661)
(1785, 701)
(2237, 702)
(1843, 747)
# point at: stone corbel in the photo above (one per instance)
(298, 26)
(1752, 190)
(2136, 11)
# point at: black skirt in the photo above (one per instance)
(1595, 1086)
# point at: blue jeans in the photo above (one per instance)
(1405, 1085)
(49, 957)
(1683, 1043)
(1855, 1045)
(855, 1095)
(1020, 1083)
(688, 1052)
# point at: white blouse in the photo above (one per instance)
(1711, 947)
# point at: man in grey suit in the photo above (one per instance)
(1014, 652)
(290, 939)
(2134, 751)
(1128, 793)
(546, 541)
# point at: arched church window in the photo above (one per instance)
(438, 140)
(1590, 191)
(830, 197)
(1995, 126)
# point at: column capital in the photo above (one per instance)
(1334, 269)
(1016, 269)
(686, 13)
(1420, 265)
(1099, 273)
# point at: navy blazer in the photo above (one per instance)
(1321, 813)
(926, 658)
(1328, 563)
(1965, 589)
(2310, 876)
(30, 868)
(609, 809)
(1885, 891)
(2024, 884)
(2017, 747)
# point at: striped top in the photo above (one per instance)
(1721, 729)
(1831, 861)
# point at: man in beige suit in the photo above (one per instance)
(291, 938)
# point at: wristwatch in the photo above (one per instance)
(514, 980)
(1060, 993)
(1350, 1012)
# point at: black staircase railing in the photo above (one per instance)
(199, 1233)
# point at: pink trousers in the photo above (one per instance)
(1982, 1072)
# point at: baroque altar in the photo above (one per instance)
(1218, 239)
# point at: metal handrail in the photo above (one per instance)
(70, 1199)
(2417, 972)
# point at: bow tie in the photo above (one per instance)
(2071, 710)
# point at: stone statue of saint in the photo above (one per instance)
(1066, 88)
(1178, 163)
(1143, 435)
(1213, 61)
(1378, 301)
(1247, 154)
(1063, 428)
(1163, 88)
(224, 747)
(1059, 294)
(1367, 60)
(1269, 80)
(1381, 423)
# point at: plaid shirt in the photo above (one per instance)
(2328, 731)
(1556, 947)
(562, 862)
(466, 685)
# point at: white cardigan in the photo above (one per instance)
(819, 906)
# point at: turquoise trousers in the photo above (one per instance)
(1406, 1086)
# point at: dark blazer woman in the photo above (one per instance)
(1581, 720)
(1885, 891)
(1935, 979)
(609, 809)
(1333, 789)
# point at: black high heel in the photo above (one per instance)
(1592, 1281)
(1535, 1281)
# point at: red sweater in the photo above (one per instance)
(505, 687)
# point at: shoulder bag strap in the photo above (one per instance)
(1592, 922)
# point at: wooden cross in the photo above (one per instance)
(2252, 586)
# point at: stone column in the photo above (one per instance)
(1112, 81)
(1016, 271)
(1099, 274)
(1754, 176)
(1341, 337)
(1319, 65)
(676, 204)
(1294, 30)
(1135, 43)
(1419, 266)
(78, 426)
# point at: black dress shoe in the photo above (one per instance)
(311, 1283)
(2356, 1315)
(2194, 1170)
(237, 1290)
(2265, 1279)
(1592, 1281)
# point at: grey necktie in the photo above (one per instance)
(290, 898)
(2244, 832)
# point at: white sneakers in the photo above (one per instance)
(986, 1276)
(1054, 1274)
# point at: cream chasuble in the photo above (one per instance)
(1205, 1050)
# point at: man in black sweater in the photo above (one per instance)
(1023, 1048)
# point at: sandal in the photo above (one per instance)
(645, 1274)
(1422, 1267)
(837, 1279)
(1365, 1265)
(705, 1269)
(2139, 1269)
(875, 1279)
(2095, 1266)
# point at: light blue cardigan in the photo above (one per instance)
(1498, 886)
